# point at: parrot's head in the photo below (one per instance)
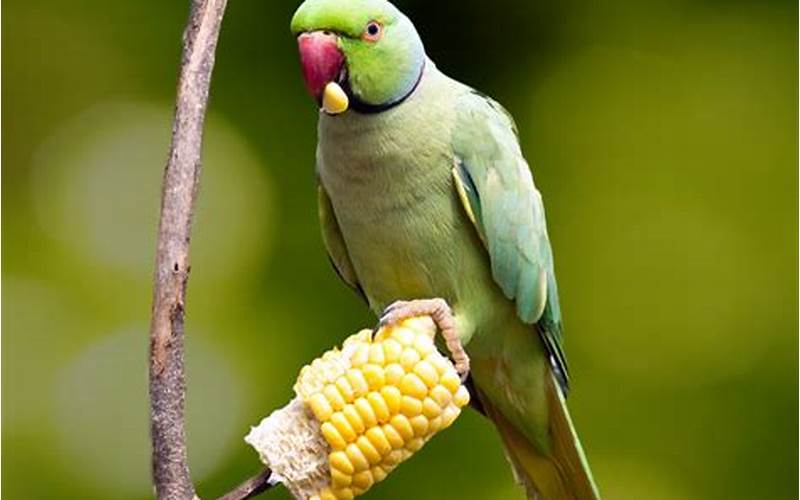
(360, 54)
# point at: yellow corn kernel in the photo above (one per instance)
(411, 385)
(434, 425)
(404, 336)
(394, 373)
(356, 457)
(388, 468)
(326, 494)
(358, 382)
(320, 406)
(374, 376)
(461, 397)
(334, 398)
(378, 473)
(343, 426)
(360, 356)
(409, 358)
(426, 371)
(393, 458)
(376, 354)
(449, 414)
(345, 389)
(393, 437)
(344, 494)
(366, 412)
(363, 336)
(392, 397)
(441, 395)
(439, 362)
(402, 426)
(379, 407)
(431, 408)
(369, 451)
(413, 445)
(363, 480)
(339, 479)
(410, 407)
(332, 436)
(379, 441)
(353, 418)
(451, 381)
(420, 324)
(424, 345)
(306, 372)
(391, 350)
(334, 99)
(340, 462)
(420, 425)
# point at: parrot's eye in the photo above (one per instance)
(373, 31)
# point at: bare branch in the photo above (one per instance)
(167, 387)
(252, 487)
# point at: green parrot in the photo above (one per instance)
(427, 206)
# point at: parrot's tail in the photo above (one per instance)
(562, 475)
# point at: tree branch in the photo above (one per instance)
(252, 487)
(167, 387)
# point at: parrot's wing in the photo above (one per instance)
(496, 188)
(334, 242)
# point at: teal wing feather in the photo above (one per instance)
(496, 188)
(334, 242)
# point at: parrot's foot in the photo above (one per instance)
(442, 315)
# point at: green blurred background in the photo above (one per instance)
(662, 134)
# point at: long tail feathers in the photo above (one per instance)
(562, 475)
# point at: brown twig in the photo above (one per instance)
(167, 387)
(252, 487)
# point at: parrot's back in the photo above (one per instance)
(397, 228)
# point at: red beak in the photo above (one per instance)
(321, 60)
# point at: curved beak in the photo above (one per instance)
(321, 60)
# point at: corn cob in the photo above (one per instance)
(361, 411)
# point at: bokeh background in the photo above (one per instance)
(663, 135)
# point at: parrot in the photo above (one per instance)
(427, 206)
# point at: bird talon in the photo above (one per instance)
(386, 316)
(441, 314)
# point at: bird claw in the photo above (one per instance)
(442, 316)
(390, 316)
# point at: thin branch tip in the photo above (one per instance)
(252, 487)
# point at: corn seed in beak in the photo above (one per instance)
(334, 100)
